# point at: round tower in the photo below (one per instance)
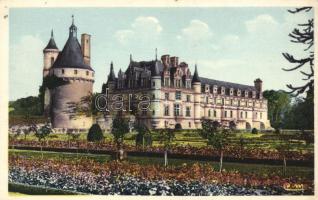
(155, 93)
(73, 86)
(196, 85)
(50, 53)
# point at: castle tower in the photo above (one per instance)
(155, 93)
(50, 53)
(73, 82)
(196, 85)
(111, 81)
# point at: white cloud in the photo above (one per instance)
(141, 29)
(26, 61)
(230, 41)
(262, 23)
(196, 33)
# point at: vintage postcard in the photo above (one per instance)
(158, 99)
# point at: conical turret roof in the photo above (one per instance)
(51, 44)
(71, 55)
(196, 78)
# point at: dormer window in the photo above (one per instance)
(231, 91)
(254, 94)
(222, 90)
(246, 93)
(215, 89)
(238, 92)
(206, 88)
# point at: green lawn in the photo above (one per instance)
(265, 170)
(261, 140)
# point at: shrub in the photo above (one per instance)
(95, 133)
(254, 131)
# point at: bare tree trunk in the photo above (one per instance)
(221, 160)
(285, 165)
(166, 158)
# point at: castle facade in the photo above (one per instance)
(179, 99)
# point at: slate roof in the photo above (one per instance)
(71, 56)
(51, 44)
(155, 67)
(196, 78)
(225, 84)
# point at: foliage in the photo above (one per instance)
(119, 129)
(254, 131)
(232, 126)
(303, 34)
(25, 106)
(42, 132)
(166, 136)
(95, 133)
(142, 131)
(208, 127)
(278, 105)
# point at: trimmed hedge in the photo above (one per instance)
(38, 190)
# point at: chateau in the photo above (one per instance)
(160, 93)
(180, 99)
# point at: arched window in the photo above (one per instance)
(52, 61)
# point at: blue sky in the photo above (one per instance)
(230, 44)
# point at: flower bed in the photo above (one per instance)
(88, 176)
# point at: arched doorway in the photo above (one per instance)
(248, 126)
(262, 126)
(178, 126)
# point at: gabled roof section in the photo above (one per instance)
(225, 84)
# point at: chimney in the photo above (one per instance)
(86, 48)
(258, 84)
(165, 60)
(174, 61)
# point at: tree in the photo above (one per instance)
(142, 130)
(119, 129)
(95, 134)
(216, 136)
(302, 34)
(232, 126)
(284, 147)
(42, 132)
(278, 105)
(166, 137)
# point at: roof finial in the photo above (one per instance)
(72, 19)
(130, 57)
(156, 54)
(52, 33)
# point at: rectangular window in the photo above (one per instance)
(153, 84)
(52, 61)
(166, 110)
(206, 99)
(75, 71)
(188, 98)
(178, 95)
(225, 113)
(256, 115)
(241, 114)
(176, 110)
(222, 101)
(166, 96)
(188, 111)
(63, 71)
(209, 113)
(231, 102)
(231, 113)
(214, 113)
(189, 124)
(87, 73)
(245, 114)
(261, 115)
